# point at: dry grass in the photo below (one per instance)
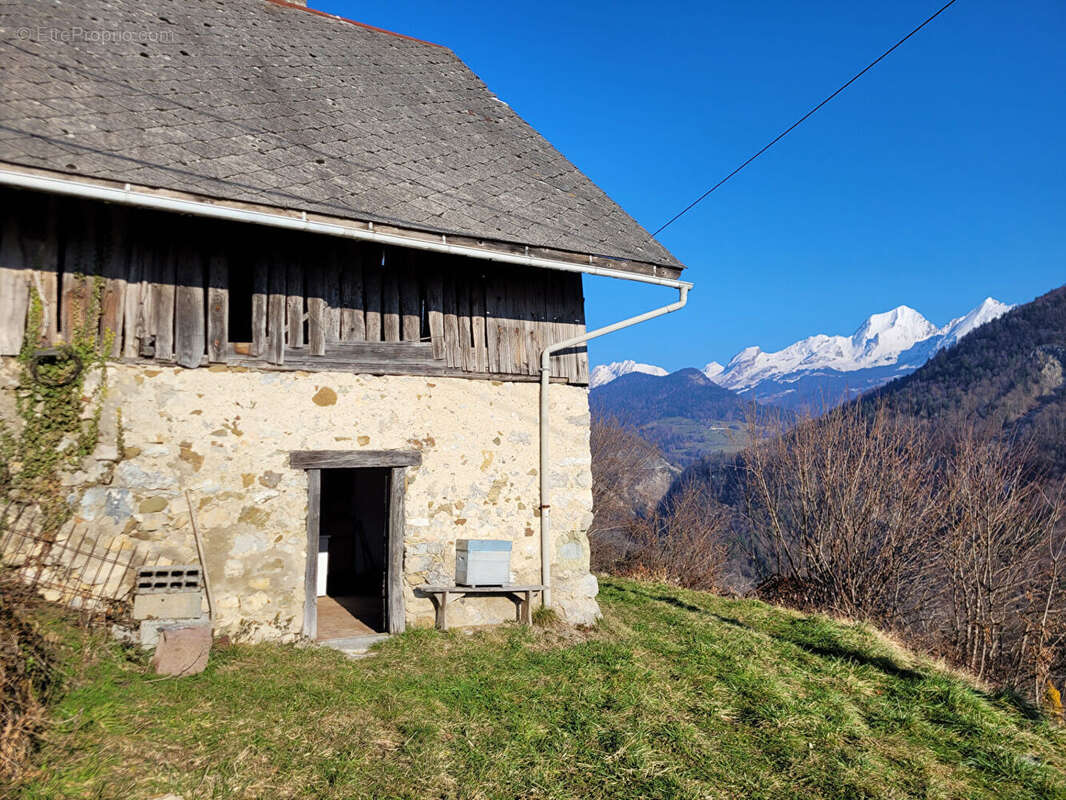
(677, 694)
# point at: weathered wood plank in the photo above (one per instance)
(317, 310)
(353, 459)
(80, 237)
(536, 327)
(115, 262)
(276, 312)
(135, 290)
(331, 294)
(163, 302)
(189, 328)
(217, 307)
(390, 298)
(435, 308)
(477, 323)
(582, 352)
(352, 322)
(372, 286)
(453, 352)
(295, 301)
(260, 268)
(395, 620)
(14, 288)
(410, 299)
(495, 293)
(462, 316)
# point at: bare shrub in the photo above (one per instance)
(841, 510)
(682, 543)
(25, 674)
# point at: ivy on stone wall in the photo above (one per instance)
(58, 402)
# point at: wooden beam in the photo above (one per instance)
(260, 268)
(394, 580)
(353, 459)
(314, 511)
(14, 288)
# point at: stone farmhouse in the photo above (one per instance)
(330, 267)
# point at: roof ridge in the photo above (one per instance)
(353, 22)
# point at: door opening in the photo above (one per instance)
(353, 552)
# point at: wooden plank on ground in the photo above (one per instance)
(352, 323)
(276, 311)
(390, 297)
(372, 287)
(189, 328)
(295, 299)
(217, 307)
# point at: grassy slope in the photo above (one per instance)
(677, 694)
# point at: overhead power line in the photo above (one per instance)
(801, 120)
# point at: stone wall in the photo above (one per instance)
(225, 434)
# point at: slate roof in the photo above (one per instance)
(263, 102)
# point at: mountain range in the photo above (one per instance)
(824, 370)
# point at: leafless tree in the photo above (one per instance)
(1003, 553)
(843, 506)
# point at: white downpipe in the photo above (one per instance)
(545, 376)
(142, 199)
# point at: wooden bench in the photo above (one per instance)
(521, 596)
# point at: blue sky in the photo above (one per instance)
(937, 179)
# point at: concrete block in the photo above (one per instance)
(182, 649)
(172, 605)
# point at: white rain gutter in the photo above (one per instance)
(545, 376)
(143, 199)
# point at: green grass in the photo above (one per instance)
(676, 694)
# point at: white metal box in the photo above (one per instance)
(482, 562)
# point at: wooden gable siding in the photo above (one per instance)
(163, 284)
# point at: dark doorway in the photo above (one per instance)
(353, 552)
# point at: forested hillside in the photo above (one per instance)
(1006, 376)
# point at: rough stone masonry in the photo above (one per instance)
(225, 434)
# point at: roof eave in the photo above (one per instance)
(19, 176)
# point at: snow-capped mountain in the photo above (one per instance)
(605, 373)
(822, 370)
(900, 340)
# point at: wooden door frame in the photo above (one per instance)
(397, 462)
